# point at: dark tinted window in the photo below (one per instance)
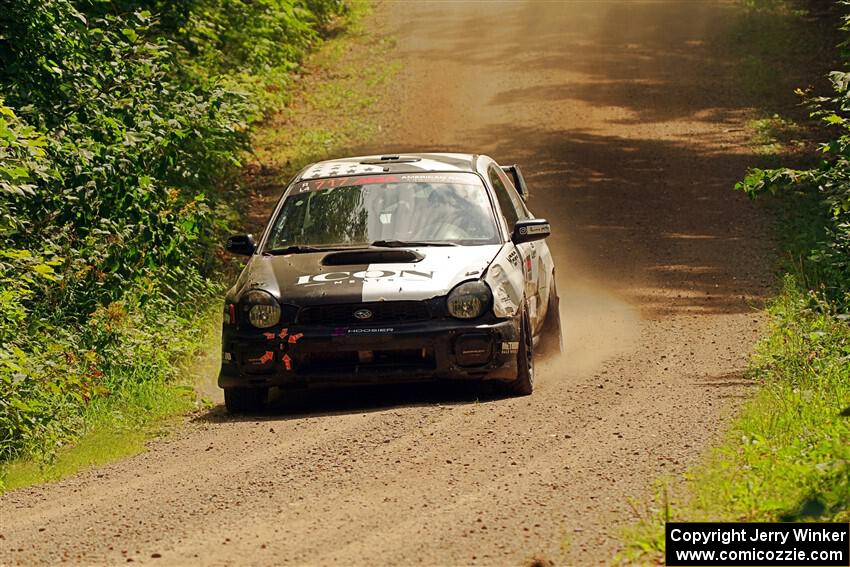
(504, 198)
(516, 198)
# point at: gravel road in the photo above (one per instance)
(627, 121)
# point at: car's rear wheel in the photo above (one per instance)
(245, 400)
(524, 383)
(551, 336)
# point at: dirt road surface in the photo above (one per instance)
(626, 118)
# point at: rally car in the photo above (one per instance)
(391, 268)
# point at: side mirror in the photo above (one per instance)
(242, 244)
(530, 230)
(515, 174)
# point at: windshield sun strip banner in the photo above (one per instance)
(386, 179)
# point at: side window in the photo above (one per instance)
(505, 203)
(516, 199)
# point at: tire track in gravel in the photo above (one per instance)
(627, 120)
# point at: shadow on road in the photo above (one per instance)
(737, 383)
(324, 401)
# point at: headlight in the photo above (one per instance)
(469, 300)
(263, 309)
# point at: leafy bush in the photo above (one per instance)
(786, 456)
(120, 140)
(252, 45)
(794, 455)
(825, 249)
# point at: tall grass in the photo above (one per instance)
(786, 457)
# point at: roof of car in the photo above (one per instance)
(395, 163)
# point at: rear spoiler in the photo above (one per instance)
(515, 174)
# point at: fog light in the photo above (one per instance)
(473, 349)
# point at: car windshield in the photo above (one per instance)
(385, 210)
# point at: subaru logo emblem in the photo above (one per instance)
(363, 314)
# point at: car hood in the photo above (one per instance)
(329, 277)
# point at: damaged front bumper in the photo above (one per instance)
(311, 355)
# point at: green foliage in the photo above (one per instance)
(771, 134)
(792, 459)
(121, 135)
(787, 455)
(251, 45)
(118, 425)
(795, 436)
(826, 261)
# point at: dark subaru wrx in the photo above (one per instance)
(391, 268)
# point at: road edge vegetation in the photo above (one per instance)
(125, 128)
(786, 456)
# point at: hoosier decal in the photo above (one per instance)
(370, 331)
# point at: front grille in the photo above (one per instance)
(382, 312)
(366, 362)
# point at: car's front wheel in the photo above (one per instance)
(245, 400)
(524, 383)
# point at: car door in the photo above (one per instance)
(532, 254)
(544, 265)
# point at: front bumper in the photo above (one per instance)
(409, 352)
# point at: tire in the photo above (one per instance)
(524, 383)
(551, 337)
(245, 400)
